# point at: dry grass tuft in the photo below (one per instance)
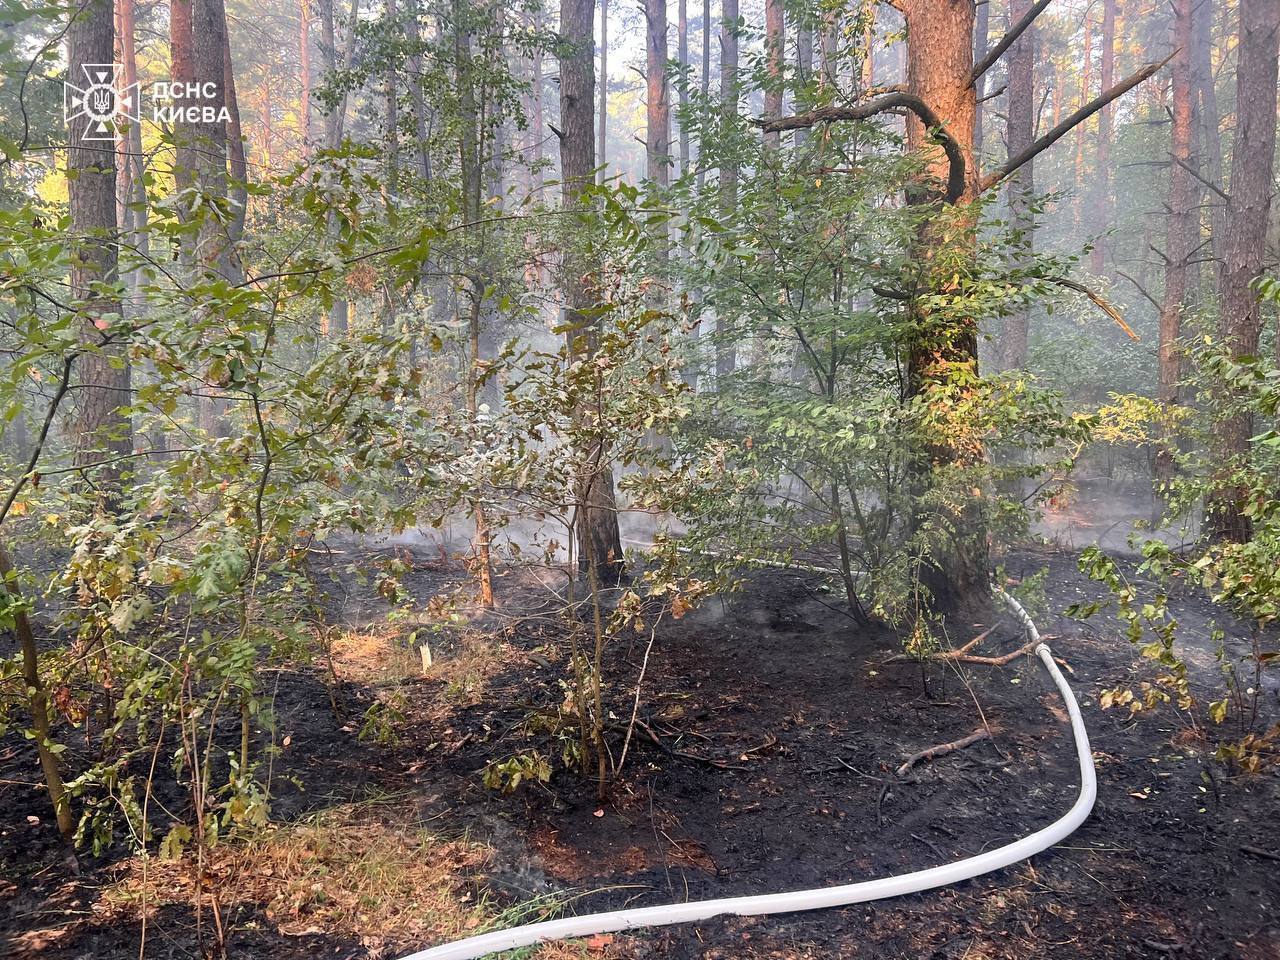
(346, 872)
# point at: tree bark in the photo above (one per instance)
(775, 42)
(657, 109)
(103, 432)
(1252, 173)
(1020, 187)
(939, 73)
(599, 542)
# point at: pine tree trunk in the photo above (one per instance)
(1252, 173)
(939, 65)
(1204, 97)
(705, 80)
(1182, 225)
(657, 109)
(1102, 176)
(103, 433)
(599, 543)
(602, 143)
(775, 41)
(981, 34)
(1021, 186)
(682, 52)
(304, 55)
(726, 352)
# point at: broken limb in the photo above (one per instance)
(942, 749)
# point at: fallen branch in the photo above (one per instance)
(942, 749)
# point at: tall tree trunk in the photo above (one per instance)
(1021, 186)
(981, 34)
(239, 186)
(103, 432)
(1102, 176)
(657, 109)
(335, 124)
(682, 53)
(602, 146)
(1252, 173)
(726, 352)
(213, 239)
(1204, 98)
(939, 68)
(304, 54)
(775, 42)
(537, 121)
(182, 70)
(705, 81)
(804, 65)
(1182, 225)
(1086, 91)
(599, 542)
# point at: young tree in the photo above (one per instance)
(598, 540)
(1248, 212)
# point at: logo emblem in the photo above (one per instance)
(101, 100)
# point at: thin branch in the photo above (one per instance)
(1140, 288)
(1010, 37)
(885, 104)
(1077, 118)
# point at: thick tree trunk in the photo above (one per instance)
(1102, 176)
(599, 543)
(103, 433)
(775, 41)
(726, 349)
(1021, 185)
(657, 109)
(1252, 173)
(1182, 225)
(939, 68)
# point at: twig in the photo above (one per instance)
(1259, 852)
(942, 749)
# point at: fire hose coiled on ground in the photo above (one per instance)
(613, 921)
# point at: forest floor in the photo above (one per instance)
(782, 725)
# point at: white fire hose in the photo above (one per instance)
(475, 947)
